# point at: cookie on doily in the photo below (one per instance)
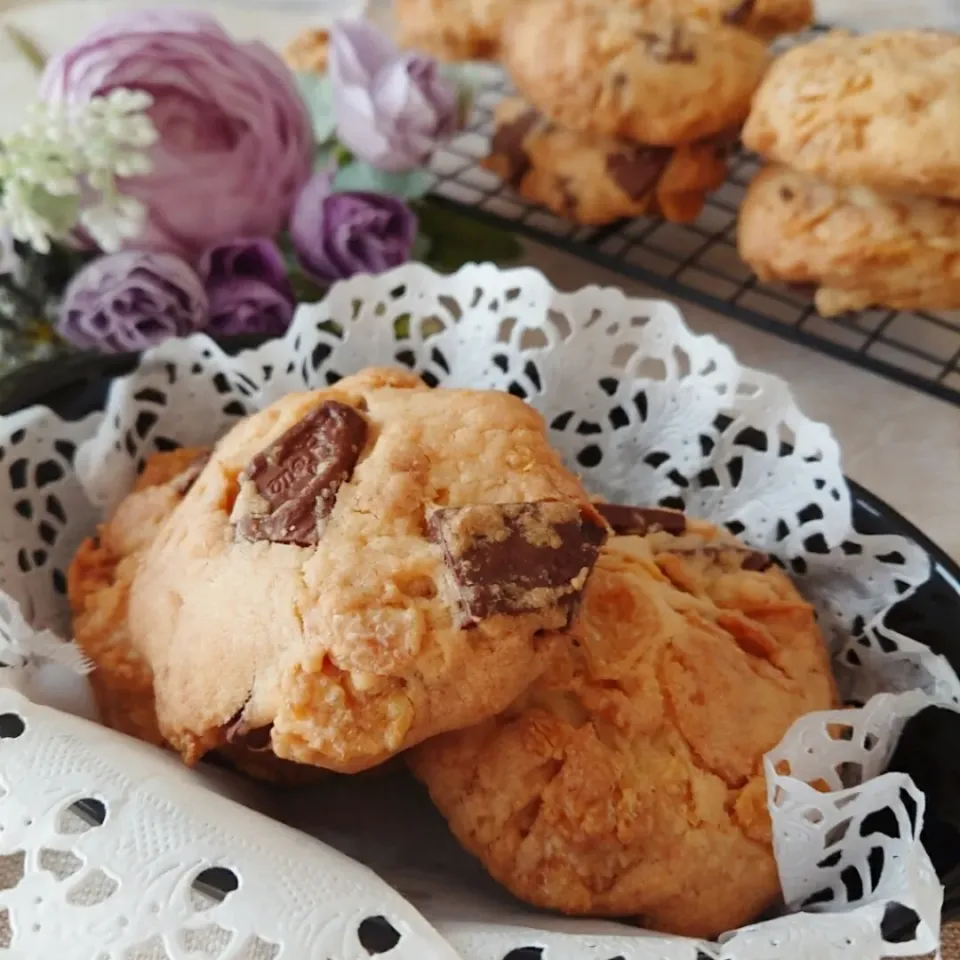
(628, 780)
(859, 248)
(359, 568)
(876, 110)
(594, 180)
(99, 584)
(645, 75)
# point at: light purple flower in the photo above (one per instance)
(248, 288)
(236, 143)
(391, 108)
(127, 301)
(337, 235)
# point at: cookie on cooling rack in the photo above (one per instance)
(874, 110)
(99, 587)
(859, 248)
(452, 29)
(359, 568)
(593, 180)
(628, 780)
(308, 51)
(645, 75)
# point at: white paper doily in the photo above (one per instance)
(648, 413)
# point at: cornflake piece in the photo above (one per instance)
(288, 490)
(638, 521)
(510, 558)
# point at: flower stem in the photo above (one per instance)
(24, 300)
(27, 48)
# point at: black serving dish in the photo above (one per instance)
(77, 385)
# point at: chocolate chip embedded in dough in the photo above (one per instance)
(755, 560)
(638, 521)
(739, 14)
(636, 171)
(512, 558)
(672, 47)
(508, 140)
(288, 490)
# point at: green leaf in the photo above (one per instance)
(316, 91)
(305, 288)
(457, 238)
(359, 176)
(27, 48)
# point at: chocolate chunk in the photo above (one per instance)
(757, 561)
(183, 482)
(511, 558)
(637, 521)
(636, 171)
(288, 490)
(740, 14)
(675, 47)
(508, 140)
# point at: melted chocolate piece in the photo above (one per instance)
(183, 482)
(636, 172)
(638, 521)
(512, 558)
(297, 477)
(740, 14)
(508, 142)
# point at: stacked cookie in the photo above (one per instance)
(862, 200)
(379, 568)
(625, 110)
(471, 29)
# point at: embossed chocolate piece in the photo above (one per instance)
(511, 558)
(288, 490)
(638, 521)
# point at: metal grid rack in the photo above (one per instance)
(699, 262)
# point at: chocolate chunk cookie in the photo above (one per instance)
(874, 110)
(359, 568)
(594, 180)
(859, 248)
(628, 780)
(646, 75)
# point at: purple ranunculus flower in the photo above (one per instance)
(235, 140)
(248, 288)
(391, 108)
(130, 300)
(337, 235)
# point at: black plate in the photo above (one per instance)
(76, 386)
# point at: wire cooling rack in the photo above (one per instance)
(699, 262)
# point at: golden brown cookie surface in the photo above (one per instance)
(99, 587)
(647, 75)
(308, 51)
(344, 578)
(452, 29)
(628, 780)
(859, 248)
(594, 180)
(873, 110)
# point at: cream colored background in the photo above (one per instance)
(900, 443)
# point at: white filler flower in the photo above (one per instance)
(60, 170)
